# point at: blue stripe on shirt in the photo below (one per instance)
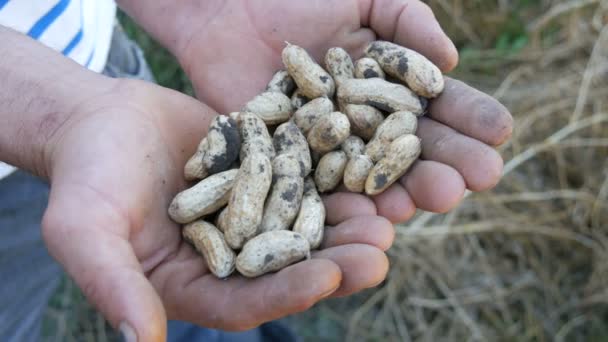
(90, 59)
(77, 38)
(43, 23)
(2, 3)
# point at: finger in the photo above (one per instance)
(479, 164)
(238, 303)
(363, 266)
(434, 186)
(410, 23)
(395, 204)
(357, 42)
(370, 230)
(472, 113)
(91, 242)
(343, 205)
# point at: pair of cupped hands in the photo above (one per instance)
(117, 162)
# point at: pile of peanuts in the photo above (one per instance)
(260, 171)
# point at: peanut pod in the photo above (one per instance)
(220, 221)
(353, 146)
(356, 172)
(298, 100)
(330, 170)
(272, 107)
(236, 117)
(288, 139)
(285, 197)
(271, 251)
(368, 68)
(410, 67)
(401, 154)
(310, 77)
(316, 157)
(246, 205)
(223, 144)
(194, 168)
(364, 120)
(210, 242)
(254, 136)
(204, 198)
(339, 65)
(329, 132)
(308, 114)
(395, 125)
(281, 82)
(311, 218)
(381, 94)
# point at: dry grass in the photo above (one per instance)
(528, 260)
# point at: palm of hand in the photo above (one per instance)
(115, 170)
(130, 259)
(241, 56)
(231, 57)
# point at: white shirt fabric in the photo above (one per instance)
(79, 29)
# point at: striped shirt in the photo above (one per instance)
(79, 29)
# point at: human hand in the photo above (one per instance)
(233, 48)
(115, 164)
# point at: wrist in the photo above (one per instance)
(38, 96)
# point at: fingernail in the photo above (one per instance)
(329, 293)
(128, 333)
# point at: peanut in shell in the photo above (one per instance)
(288, 139)
(328, 132)
(356, 172)
(330, 171)
(410, 67)
(246, 205)
(298, 100)
(220, 221)
(255, 137)
(205, 198)
(281, 82)
(223, 145)
(395, 125)
(402, 153)
(285, 197)
(271, 251)
(364, 120)
(312, 80)
(339, 65)
(353, 146)
(194, 168)
(272, 107)
(308, 114)
(311, 217)
(368, 68)
(381, 94)
(210, 242)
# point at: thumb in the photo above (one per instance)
(86, 233)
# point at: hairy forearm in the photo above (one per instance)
(39, 89)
